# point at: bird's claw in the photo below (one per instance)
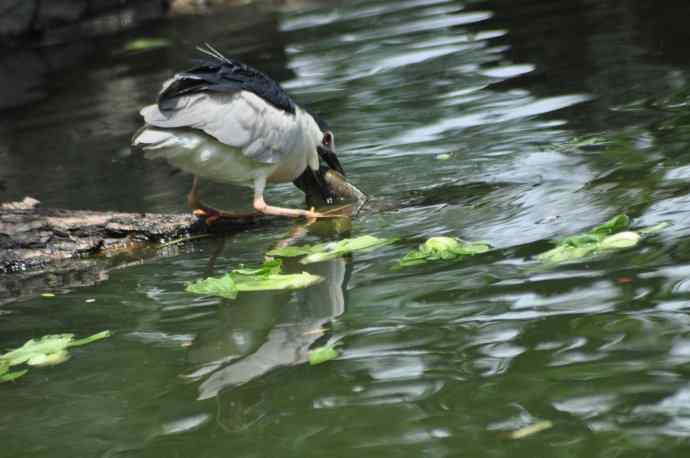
(311, 216)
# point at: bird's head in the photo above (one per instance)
(313, 182)
(326, 152)
(326, 149)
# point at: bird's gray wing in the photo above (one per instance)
(241, 120)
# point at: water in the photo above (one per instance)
(441, 360)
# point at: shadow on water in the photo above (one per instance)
(514, 122)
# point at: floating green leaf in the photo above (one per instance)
(264, 278)
(654, 229)
(291, 251)
(46, 351)
(88, 340)
(322, 354)
(144, 44)
(615, 224)
(565, 252)
(11, 376)
(442, 248)
(273, 267)
(331, 250)
(222, 287)
(619, 241)
(46, 346)
(34, 347)
(277, 282)
(50, 359)
(344, 247)
(608, 236)
(270, 277)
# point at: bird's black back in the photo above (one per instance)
(217, 73)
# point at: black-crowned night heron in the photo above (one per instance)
(230, 123)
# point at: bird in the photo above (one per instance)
(227, 122)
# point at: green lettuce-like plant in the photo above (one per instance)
(6, 375)
(442, 249)
(612, 235)
(267, 277)
(45, 351)
(331, 250)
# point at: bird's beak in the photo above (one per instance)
(329, 156)
(314, 186)
(313, 183)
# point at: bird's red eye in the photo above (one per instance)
(327, 138)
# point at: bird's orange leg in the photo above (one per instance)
(262, 207)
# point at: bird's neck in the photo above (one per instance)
(311, 137)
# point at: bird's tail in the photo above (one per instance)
(151, 140)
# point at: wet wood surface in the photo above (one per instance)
(32, 237)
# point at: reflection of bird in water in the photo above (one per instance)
(228, 122)
(264, 333)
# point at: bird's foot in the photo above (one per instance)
(311, 215)
(262, 207)
(342, 211)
